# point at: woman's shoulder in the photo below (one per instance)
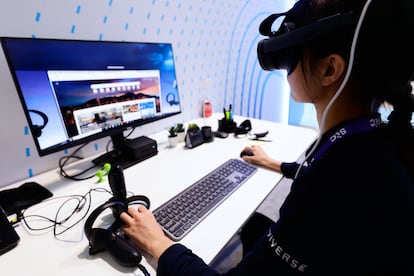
(363, 157)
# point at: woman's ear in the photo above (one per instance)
(333, 69)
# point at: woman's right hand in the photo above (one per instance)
(142, 227)
(261, 158)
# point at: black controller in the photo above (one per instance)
(117, 183)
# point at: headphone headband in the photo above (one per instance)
(37, 129)
(119, 205)
(88, 227)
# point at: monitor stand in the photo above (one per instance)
(128, 152)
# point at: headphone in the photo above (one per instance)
(112, 239)
(243, 128)
(282, 49)
(37, 129)
(170, 98)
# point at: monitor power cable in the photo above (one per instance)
(78, 176)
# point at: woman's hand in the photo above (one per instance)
(261, 158)
(142, 228)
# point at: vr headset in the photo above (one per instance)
(282, 50)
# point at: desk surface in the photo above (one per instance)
(159, 178)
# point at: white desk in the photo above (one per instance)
(159, 178)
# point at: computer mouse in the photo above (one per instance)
(246, 152)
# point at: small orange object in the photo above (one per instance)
(207, 110)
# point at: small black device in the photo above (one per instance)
(129, 152)
(260, 134)
(194, 138)
(8, 236)
(281, 50)
(142, 148)
(243, 128)
(14, 200)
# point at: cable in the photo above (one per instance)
(143, 270)
(57, 222)
(82, 202)
(340, 89)
(63, 161)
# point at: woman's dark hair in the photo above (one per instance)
(383, 65)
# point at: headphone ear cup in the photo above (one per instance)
(97, 240)
(246, 124)
(37, 130)
(244, 127)
(120, 249)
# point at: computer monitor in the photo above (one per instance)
(77, 91)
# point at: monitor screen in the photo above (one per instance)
(76, 91)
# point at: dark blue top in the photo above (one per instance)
(351, 212)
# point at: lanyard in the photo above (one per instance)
(348, 129)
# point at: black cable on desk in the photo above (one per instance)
(144, 270)
(77, 177)
(83, 201)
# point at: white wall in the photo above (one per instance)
(215, 52)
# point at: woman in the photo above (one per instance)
(350, 210)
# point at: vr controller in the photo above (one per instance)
(112, 239)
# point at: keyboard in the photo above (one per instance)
(179, 215)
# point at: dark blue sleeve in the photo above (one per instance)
(179, 260)
(267, 256)
(289, 169)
